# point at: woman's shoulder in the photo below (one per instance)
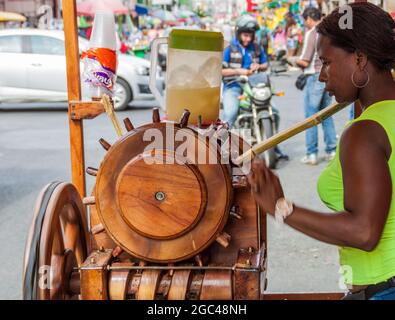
(383, 113)
(368, 134)
(384, 106)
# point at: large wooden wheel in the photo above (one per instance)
(158, 204)
(56, 244)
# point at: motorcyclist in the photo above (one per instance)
(242, 57)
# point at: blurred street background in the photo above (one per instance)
(34, 136)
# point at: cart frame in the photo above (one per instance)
(79, 110)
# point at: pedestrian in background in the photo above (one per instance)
(358, 185)
(292, 32)
(263, 37)
(280, 38)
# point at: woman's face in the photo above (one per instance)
(338, 66)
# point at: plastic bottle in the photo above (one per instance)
(100, 60)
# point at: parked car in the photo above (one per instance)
(33, 68)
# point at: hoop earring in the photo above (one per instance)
(364, 85)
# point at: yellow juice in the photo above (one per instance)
(200, 101)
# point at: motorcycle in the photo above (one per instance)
(257, 116)
(278, 62)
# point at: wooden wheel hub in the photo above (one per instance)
(154, 194)
(157, 211)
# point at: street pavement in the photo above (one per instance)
(34, 150)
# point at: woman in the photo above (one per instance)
(279, 38)
(359, 184)
(292, 32)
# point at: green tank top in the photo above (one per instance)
(361, 267)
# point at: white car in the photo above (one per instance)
(33, 68)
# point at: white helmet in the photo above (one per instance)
(246, 23)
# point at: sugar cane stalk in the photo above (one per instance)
(109, 107)
(290, 132)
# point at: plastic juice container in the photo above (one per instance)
(193, 79)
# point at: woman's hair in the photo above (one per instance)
(372, 33)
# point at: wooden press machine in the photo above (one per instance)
(179, 231)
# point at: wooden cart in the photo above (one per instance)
(145, 231)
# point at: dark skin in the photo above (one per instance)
(365, 150)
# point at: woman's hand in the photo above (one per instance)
(265, 186)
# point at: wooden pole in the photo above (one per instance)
(109, 107)
(74, 93)
(290, 132)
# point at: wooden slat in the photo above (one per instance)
(217, 285)
(74, 93)
(148, 285)
(85, 109)
(179, 285)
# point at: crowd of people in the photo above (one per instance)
(281, 26)
(254, 45)
(359, 182)
(251, 41)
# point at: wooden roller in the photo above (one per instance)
(179, 285)
(217, 285)
(118, 282)
(148, 285)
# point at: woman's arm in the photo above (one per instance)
(365, 150)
